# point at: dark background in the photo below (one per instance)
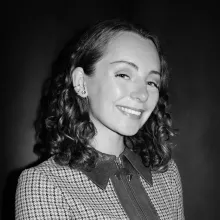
(34, 33)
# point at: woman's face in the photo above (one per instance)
(123, 91)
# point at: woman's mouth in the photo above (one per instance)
(133, 113)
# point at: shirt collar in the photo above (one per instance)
(106, 167)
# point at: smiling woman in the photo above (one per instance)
(109, 133)
(123, 81)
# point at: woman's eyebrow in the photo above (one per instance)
(155, 72)
(126, 62)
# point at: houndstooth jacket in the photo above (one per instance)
(51, 191)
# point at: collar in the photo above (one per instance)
(106, 167)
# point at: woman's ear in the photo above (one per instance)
(78, 81)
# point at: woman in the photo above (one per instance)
(109, 132)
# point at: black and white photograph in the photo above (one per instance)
(110, 110)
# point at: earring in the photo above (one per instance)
(76, 86)
(77, 89)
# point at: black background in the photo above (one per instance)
(34, 33)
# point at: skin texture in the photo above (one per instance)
(127, 75)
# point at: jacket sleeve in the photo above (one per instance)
(177, 192)
(38, 198)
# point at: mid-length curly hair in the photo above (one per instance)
(68, 125)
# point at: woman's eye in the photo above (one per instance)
(122, 75)
(153, 84)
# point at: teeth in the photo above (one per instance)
(130, 111)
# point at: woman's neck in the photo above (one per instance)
(112, 144)
(106, 140)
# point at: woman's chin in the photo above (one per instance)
(128, 132)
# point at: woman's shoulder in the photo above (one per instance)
(173, 170)
(172, 167)
(48, 169)
(171, 175)
(47, 166)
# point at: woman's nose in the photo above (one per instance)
(140, 94)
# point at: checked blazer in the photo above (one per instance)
(52, 191)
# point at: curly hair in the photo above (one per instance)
(67, 121)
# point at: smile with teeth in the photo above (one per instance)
(130, 111)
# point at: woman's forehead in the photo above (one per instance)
(131, 47)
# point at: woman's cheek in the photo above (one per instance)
(121, 90)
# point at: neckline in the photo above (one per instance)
(106, 167)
